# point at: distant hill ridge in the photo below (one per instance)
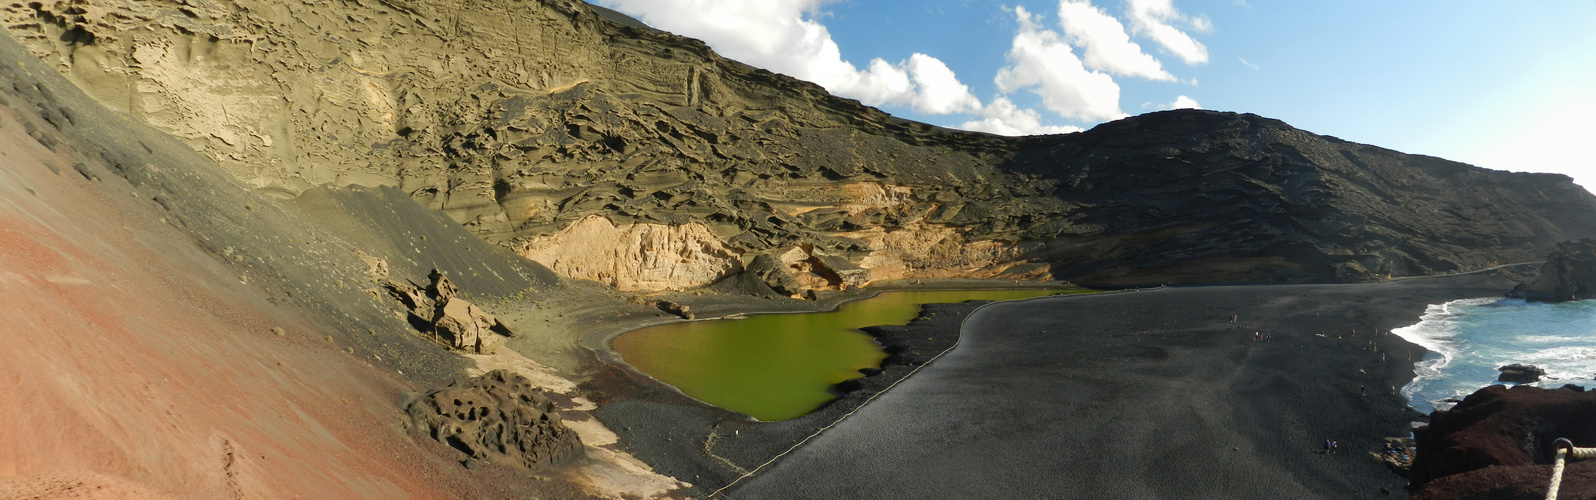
(619, 153)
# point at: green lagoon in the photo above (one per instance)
(780, 366)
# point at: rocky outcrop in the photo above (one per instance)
(1569, 274)
(673, 307)
(440, 312)
(1520, 374)
(636, 256)
(1499, 427)
(613, 152)
(498, 417)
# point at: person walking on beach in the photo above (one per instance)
(1232, 318)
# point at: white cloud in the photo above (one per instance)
(1245, 62)
(1105, 44)
(940, 91)
(1002, 117)
(1071, 69)
(1183, 102)
(1156, 19)
(782, 36)
(1041, 61)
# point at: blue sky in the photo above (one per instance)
(1505, 85)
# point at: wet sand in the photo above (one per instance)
(1153, 394)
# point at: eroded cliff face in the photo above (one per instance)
(1569, 274)
(524, 120)
(635, 256)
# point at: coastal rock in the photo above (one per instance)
(497, 417)
(1497, 427)
(1520, 374)
(1522, 482)
(1568, 274)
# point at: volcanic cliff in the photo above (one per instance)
(610, 151)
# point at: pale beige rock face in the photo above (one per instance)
(923, 250)
(635, 256)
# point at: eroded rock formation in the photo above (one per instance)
(536, 124)
(1497, 427)
(1569, 274)
(498, 417)
(440, 312)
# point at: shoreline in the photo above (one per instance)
(1182, 402)
(712, 447)
(597, 343)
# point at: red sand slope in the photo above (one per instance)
(132, 365)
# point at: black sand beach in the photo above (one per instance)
(1141, 395)
(1150, 394)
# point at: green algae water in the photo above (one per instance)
(780, 366)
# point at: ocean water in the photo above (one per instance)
(1470, 338)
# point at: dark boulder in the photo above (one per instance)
(1569, 274)
(1520, 374)
(679, 309)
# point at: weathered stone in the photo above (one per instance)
(840, 271)
(498, 417)
(774, 274)
(414, 299)
(683, 310)
(440, 289)
(441, 313)
(463, 325)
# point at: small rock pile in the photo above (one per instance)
(498, 417)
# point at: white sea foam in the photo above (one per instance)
(1468, 339)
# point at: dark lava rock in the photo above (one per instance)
(1520, 374)
(497, 417)
(1499, 427)
(1569, 274)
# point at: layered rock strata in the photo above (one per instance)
(618, 153)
